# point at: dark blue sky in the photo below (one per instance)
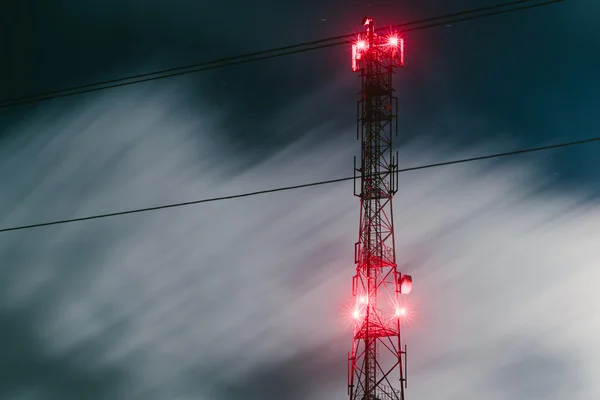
(523, 79)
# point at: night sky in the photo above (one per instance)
(246, 299)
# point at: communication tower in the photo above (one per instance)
(377, 362)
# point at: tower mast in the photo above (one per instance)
(377, 362)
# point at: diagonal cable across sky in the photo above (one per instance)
(426, 23)
(300, 186)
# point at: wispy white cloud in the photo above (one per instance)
(193, 301)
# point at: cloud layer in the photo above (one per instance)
(245, 298)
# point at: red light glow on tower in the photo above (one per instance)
(377, 362)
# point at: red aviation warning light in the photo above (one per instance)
(390, 48)
(400, 312)
(358, 49)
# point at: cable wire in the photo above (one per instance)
(305, 185)
(257, 53)
(266, 54)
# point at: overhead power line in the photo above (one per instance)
(305, 185)
(446, 19)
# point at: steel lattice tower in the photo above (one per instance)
(377, 362)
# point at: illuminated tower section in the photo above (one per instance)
(377, 362)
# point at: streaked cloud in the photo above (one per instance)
(245, 297)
